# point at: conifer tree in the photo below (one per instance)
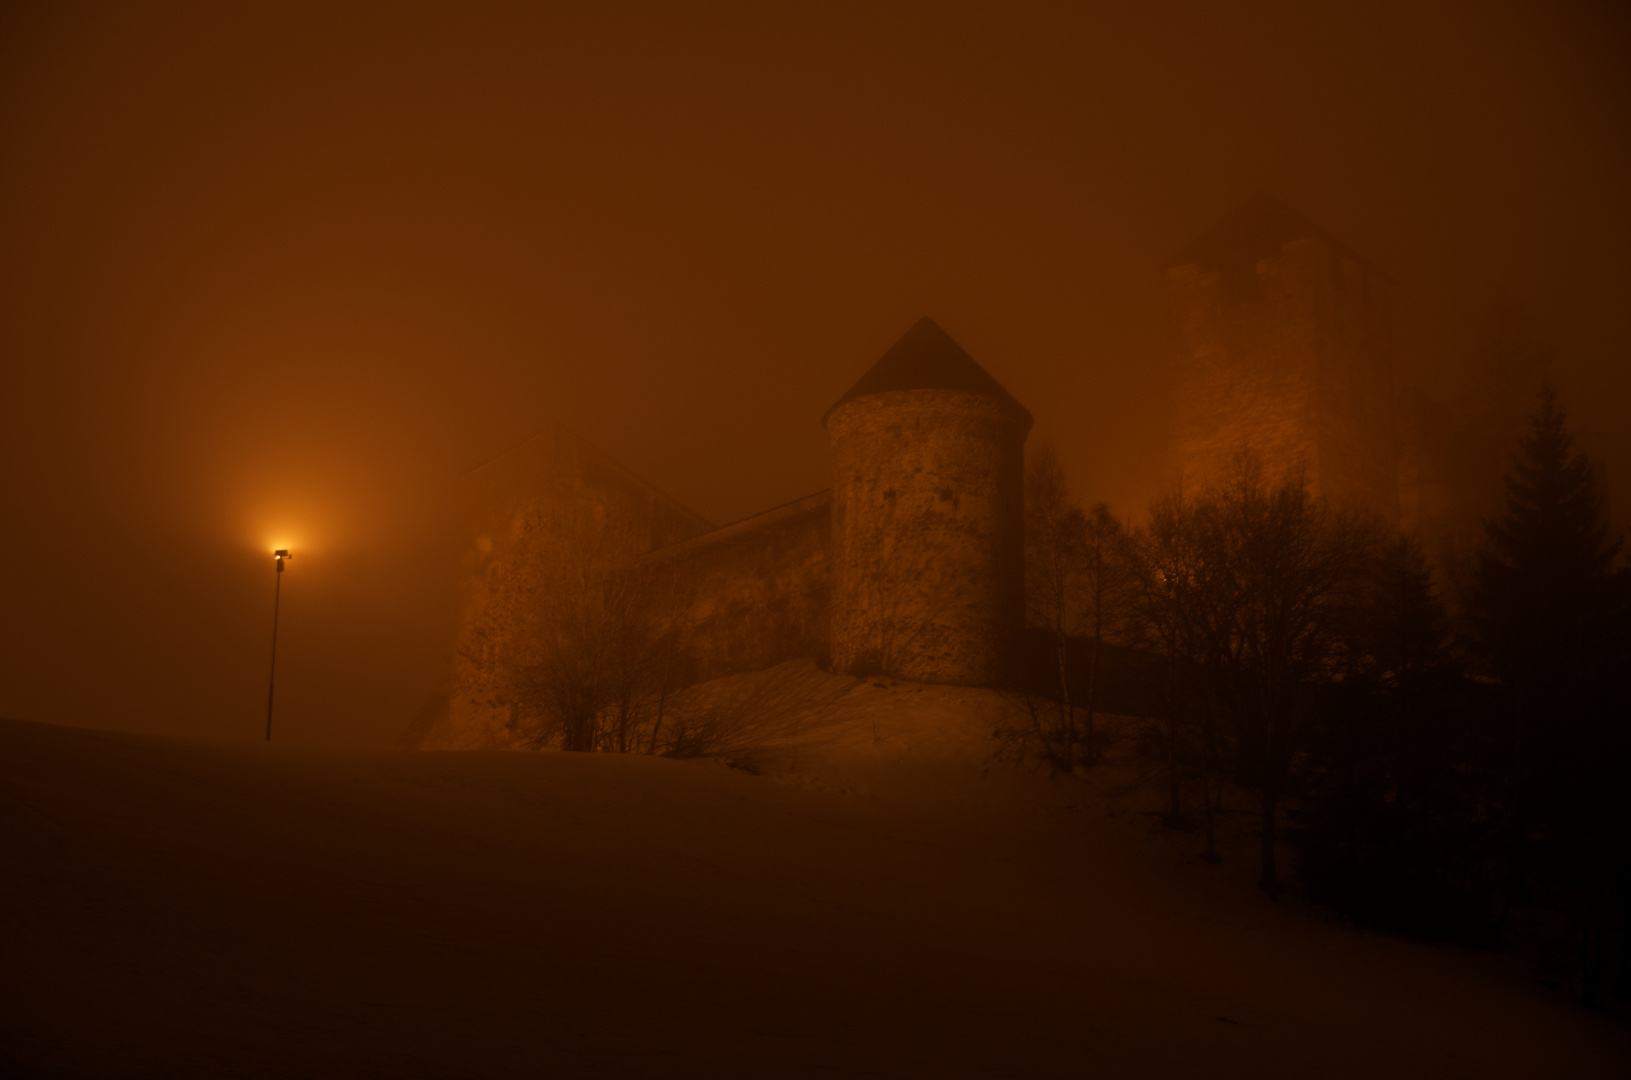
(1391, 830)
(1549, 608)
(1550, 596)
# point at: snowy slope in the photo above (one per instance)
(188, 909)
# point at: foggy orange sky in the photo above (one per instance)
(278, 275)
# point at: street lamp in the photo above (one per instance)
(282, 556)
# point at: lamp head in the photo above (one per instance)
(281, 555)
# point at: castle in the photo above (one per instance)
(912, 563)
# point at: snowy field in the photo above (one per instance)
(881, 900)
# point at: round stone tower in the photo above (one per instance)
(928, 517)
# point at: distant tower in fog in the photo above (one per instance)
(928, 535)
(1284, 348)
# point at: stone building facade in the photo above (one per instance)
(1284, 349)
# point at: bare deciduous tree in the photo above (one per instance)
(571, 675)
(1109, 589)
(1055, 593)
(1077, 588)
(600, 643)
(1247, 590)
(518, 585)
(1184, 594)
(1300, 567)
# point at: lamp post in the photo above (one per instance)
(282, 556)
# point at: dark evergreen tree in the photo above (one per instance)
(1392, 829)
(1550, 596)
(1549, 608)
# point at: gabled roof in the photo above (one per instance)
(926, 358)
(1257, 229)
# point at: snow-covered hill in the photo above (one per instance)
(882, 900)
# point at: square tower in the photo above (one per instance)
(1283, 350)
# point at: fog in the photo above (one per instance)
(279, 276)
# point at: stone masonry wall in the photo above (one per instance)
(928, 535)
(1358, 437)
(1289, 358)
(757, 589)
(519, 512)
(1242, 380)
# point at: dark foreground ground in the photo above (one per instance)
(195, 910)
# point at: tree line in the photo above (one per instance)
(1432, 761)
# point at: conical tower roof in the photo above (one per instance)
(926, 358)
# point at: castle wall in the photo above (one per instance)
(928, 535)
(1241, 378)
(553, 497)
(757, 590)
(1358, 437)
(1287, 356)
